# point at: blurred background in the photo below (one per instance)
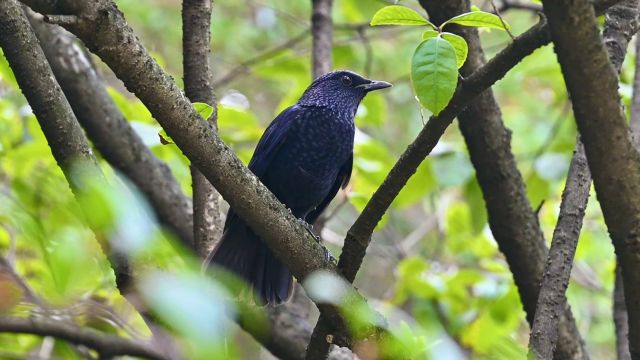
(433, 266)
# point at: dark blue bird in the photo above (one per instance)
(303, 157)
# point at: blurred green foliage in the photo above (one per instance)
(433, 268)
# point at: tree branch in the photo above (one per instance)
(551, 298)
(621, 22)
(101, 26)
(620, 318)
(123, 149)
(514, 224)
(106, 345)
(613, 161)
(196, 39)
(359, 235)
(322, 36)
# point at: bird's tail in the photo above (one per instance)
(243, 253)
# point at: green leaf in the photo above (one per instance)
(399, 15)
(434, 73)
(459, 44)
(429, 34)
(478, 19)
(205, 110)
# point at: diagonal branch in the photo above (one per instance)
(359, 235)
(123, 149)
(106, 345)
(102, 27)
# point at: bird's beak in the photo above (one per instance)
(374, 85)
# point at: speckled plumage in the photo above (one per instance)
(304, 157)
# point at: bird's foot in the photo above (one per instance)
(309, 227)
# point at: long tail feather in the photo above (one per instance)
(241, 252)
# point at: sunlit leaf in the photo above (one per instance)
(434, 73)
(478, 19)
(205, 110)
(459, 44)
(429, 34)
(399, 15)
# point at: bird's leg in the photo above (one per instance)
(309, 227)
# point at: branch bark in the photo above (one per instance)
(621, 23)
(613, 161)
(106, 345)
(322, 36)
(122, 148)
(551, 299)
(620, 318)
(196, 39)
(101, 26)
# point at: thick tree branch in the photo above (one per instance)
(57, 121)
(322, 36)
(613, 161)
(621, 22)
(101, 26)
(106, 345)
(123, 149)
(196, 39)
(620, 318)
(110, 132)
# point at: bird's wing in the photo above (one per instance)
(272, 140)
(344, 175)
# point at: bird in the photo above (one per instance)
(304, 157)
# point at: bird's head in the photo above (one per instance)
(342, 90)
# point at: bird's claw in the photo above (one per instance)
(327, 254)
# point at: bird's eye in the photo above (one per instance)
(346, 80)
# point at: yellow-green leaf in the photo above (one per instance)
(429, 34)
(398, 15)
(459, 44)
(478, 19)
(205, 110)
